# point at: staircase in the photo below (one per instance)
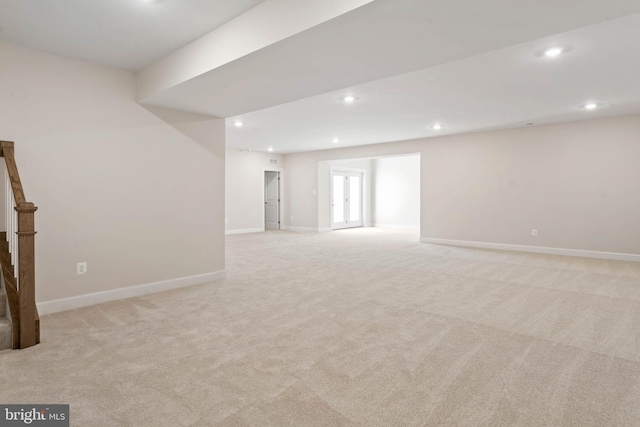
(6, 332)
(6, 329)
(17, 262)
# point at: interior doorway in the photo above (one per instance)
(272, 200)
(346, 199)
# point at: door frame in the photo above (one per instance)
(281, 190)
(347, 170)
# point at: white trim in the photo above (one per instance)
(244, 231)
(535, 249)
(301, 229)
(64, 304)
(338, 168)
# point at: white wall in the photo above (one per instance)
(396, 194)
(137, 193)
(576, 183)
(244, 199)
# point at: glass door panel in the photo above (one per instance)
(346, 199)
(338, 201)
(355, 198)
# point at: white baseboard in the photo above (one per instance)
(65, 304)
(535, 249)
(245, 231)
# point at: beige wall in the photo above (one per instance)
(576, 183)
(136, 193)
(244, 198)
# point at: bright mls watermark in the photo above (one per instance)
(34, 415)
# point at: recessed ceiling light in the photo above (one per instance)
(591, 106)
(336, 140)
(553, 52)
(238, 124)
(437, 126)
(270, 149)
(349, 99)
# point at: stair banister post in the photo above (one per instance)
(29, 328)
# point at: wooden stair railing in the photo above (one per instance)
(11, 287)
(17, 256)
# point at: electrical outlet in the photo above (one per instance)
(81, 268)
(534, 232)
(226, 220)
(291, 217)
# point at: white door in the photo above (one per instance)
(346, 199)
(272, 200)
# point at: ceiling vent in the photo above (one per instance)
(273, 161)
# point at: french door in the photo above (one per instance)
(346, 199)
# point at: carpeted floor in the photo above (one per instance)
(361, 327)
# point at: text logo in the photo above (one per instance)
(34, 415)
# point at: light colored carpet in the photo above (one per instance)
(361, 327)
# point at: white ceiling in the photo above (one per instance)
(381, 39)
(466, 64)
(504, 88)
(126, 34)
